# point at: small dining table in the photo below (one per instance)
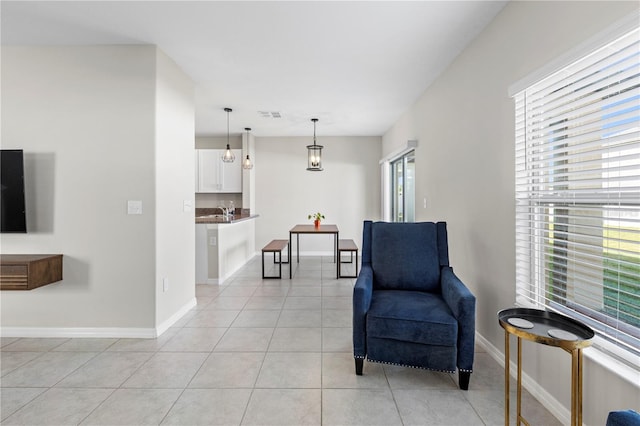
(312, 229)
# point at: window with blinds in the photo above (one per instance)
(578, 194)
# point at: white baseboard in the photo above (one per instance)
(562, 413)
(214, 281)
(314, 253)
(98, 332)
(164, 326)
(79, 332)
(304, 254)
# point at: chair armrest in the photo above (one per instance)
(623, 418)
(463, 305)
(362, 293)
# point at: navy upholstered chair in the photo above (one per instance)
(409, 308)
(623, 418)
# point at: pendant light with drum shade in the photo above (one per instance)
(314, 154)
(228, 156)
(247, 164)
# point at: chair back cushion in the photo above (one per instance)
(404, 256)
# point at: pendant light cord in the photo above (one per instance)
(315, 120)
(228, 110)
(228, 156)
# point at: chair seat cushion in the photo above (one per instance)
(411, 316)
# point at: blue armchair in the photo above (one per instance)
(623, 418)
(409, 308)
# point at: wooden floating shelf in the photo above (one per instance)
(29, 271)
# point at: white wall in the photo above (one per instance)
(85, 117)
(346, 192)
(465, 169)
(218, 142)
(174, 177)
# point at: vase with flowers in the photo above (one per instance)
(317, 217)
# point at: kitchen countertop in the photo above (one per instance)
(215, 216)
(218, 218)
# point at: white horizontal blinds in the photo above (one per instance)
(578, 191)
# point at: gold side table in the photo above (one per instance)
(547, 328)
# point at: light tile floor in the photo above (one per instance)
(253, 352)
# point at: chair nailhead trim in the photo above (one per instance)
(411, 366)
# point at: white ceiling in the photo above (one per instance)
(357, 66)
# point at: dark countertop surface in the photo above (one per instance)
(215, 219)
(215, 216)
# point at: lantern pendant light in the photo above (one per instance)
(314, 154)
(247, 164)
(228, 156)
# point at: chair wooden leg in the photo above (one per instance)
(359, 364)
(463, 379)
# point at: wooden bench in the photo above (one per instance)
(351, 247)
(275, 247)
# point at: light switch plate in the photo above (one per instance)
(134, 207)
(186, 206)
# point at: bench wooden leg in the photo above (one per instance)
(356, 263)
(279, 263)
(276, 247)
(350, 252)
(277, 260)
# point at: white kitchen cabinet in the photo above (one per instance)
(209, 170)
(232, 173)
(214, 175)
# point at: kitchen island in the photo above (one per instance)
(223, 244)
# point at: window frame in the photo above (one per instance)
(407, 195)
(611, 355)
(386, 193)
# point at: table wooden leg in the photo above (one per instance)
(576, 387)
(506, 378)
(579, 407)
(519, 390)
(335, 255)
(289, 253)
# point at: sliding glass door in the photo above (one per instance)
(403, 188)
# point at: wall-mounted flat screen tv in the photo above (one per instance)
(12, 206)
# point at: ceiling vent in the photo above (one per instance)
(270, 114)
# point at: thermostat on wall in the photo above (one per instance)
(134, 207)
